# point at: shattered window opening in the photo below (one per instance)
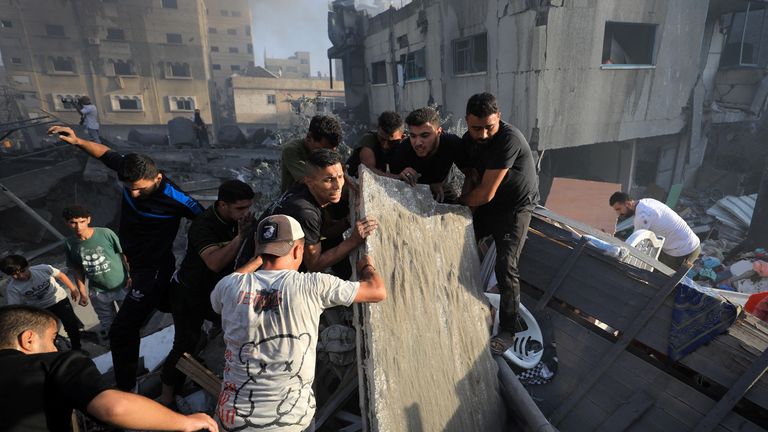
(379, 72)
(216, 66)
(126, 103)
(234, 68)
(63, 64)
(116, 34)
(179, 70)
(124, 68)
(234, 50)
(415, 65)
(6, 24)
(214, 49)
(629, 44)
(170, 4)
(173, 38)
(745, 35)
(54, 30)
(470, 55)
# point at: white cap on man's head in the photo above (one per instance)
(277, 234)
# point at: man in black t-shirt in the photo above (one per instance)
(503, 189)
(152, 208)
(304, 202)
(426, 156)
(375, 148)
(213, 240)
(41, 387)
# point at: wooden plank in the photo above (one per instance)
(199, 374)
(628, 413)
(734, 395)
(564, 270)
(618, 347)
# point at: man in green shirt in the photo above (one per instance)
(95, 254)
(324, 133)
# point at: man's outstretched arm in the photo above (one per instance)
(130, 411)
(67, 135)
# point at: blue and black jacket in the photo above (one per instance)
(148, 226)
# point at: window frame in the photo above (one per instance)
(170, 74)
(651, 46)
(168, 39)
(169, 4)
(757, 54)
(470, 56)
(382, 66)
(410, 64)
(271, 99)
(112, 30)
(49, 27)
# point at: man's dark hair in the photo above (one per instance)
(11, 264)
(75, 211)
(234, 190)
(390, 122)
(325, 127)
(16, 319)
(423, 115)
(618, 197)
(135, 167)
(323, 158)
(482, 105)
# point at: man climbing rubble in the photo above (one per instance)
(151, 211)
(305, 202)
(681, 244)
(502, 187)
(375, 148)
(270, 322)
(324, 133)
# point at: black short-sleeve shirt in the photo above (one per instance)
(369, 140)
(39, 391)
(148, 225)
(298, 203)
(507, 149)
(435, 168)
(207, 230)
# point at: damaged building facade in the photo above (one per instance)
(630, 92)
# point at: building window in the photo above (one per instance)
(628, 44)
(304, 61)
(6, 24)
(379, 72)
(124, 68)
(170, 4)
(178, 70)
(247, 30)
(271, 100)
(236, 14)
(234, 68)
(745, 30)
(214, 49)
(212, 30)
(415, 65)
(115, 34)
(232, 32)
(224, 12)
(54, 30)
(173, 38)
(234, 50)
(64, 101)
(250, 48)
(216, 66)
(16, 60)
(127, 103)
(470, 55)
(63, 64)
(182, 103)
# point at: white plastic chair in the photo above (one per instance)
(646, 242)
(519, 353)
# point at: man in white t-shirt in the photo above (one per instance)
(270, 319)
(681, 245)
(90, 118)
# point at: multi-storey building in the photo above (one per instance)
(295, 66)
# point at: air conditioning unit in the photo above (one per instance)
(94, 41)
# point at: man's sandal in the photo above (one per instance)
(502, 342)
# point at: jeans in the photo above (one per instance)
(189, 310)
(125, 335)
(104, 305)
(69, 320)
(93, 134)
(509, 232)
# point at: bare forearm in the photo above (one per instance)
(66, 281)
(474, 198)
(332, 256)
(80, 281)
(217, 258)
(95, 150)
(127, 410)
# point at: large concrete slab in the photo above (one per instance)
(423, 353)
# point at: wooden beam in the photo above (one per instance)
(628, 413)
(199, 374)
(734, 395)
(564, 270)
(31, 212)
(616, 349)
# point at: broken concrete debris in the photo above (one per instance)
(423, 354)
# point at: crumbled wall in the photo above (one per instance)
(423, 352)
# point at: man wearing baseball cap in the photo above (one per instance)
(270, 319)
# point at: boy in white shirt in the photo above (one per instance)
(39, 286)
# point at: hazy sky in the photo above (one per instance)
(286, 26)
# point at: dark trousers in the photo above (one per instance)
(66, 314)
(189, 310)
(145, 293)
(509, 232)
